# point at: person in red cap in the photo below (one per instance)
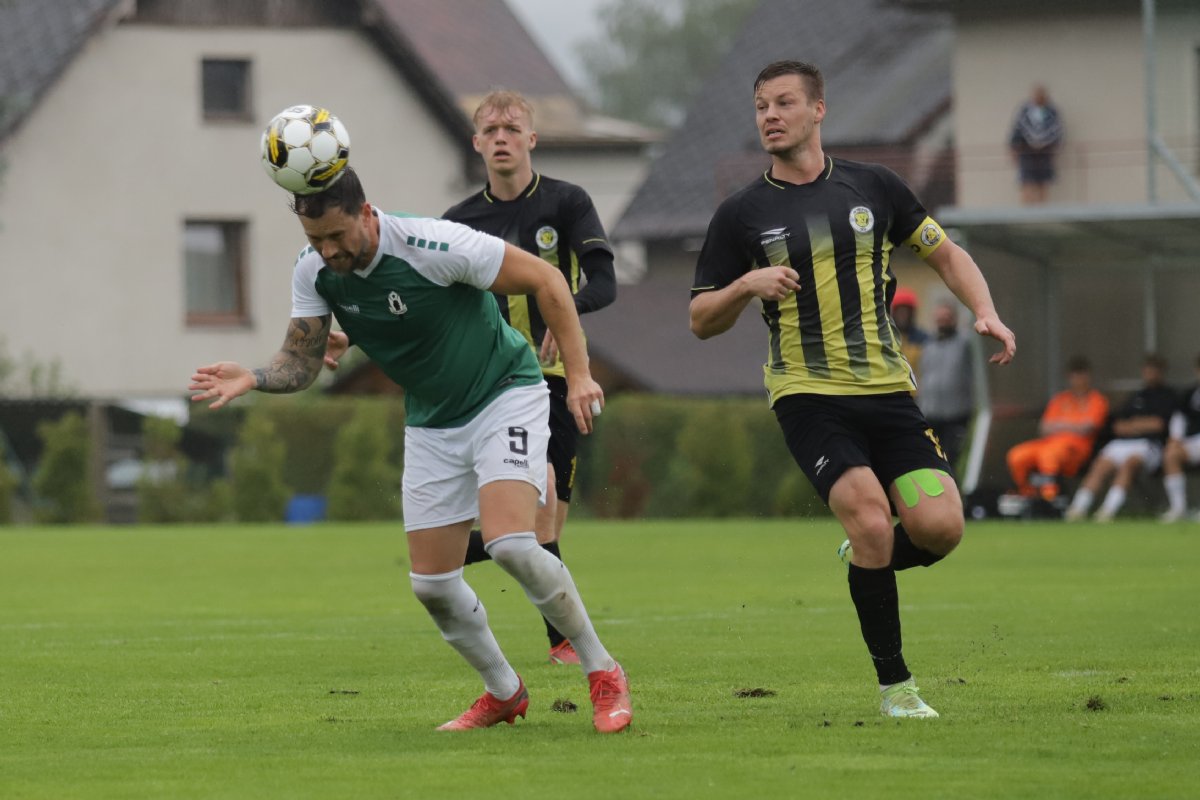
(912, 338)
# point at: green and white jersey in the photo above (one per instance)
(422, 311)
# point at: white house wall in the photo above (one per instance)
(102, 175)
(1093, 67)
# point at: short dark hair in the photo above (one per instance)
(1155, 360)
(1078, 364)
(346, 195)
(814, 83)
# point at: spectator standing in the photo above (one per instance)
(1036, 134)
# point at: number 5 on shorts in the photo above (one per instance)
(518, 441)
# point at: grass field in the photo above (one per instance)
(266, 662)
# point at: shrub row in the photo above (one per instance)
(658, 456)
(650, 456)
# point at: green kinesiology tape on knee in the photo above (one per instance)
(924, 480)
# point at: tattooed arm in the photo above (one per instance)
(299, 361)
(293, 368)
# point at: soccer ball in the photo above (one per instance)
(305, 149)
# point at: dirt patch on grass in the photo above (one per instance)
(753, 692)
(564, 706)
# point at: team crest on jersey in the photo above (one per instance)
(395, 304)
(861, 219)
(930, 235)
(547, 237)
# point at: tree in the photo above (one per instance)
(8, 485)
(61, 481)
(259, 493)
(652, 56)
(28, 377)
(364, 485)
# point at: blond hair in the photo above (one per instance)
(502, 100)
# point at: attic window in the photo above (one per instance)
(226, 89)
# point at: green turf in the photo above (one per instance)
(265, 662)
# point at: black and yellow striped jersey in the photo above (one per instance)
(833, 336)
(557, 221)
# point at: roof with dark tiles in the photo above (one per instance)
(37, 40)
(454, 51)
(470, 59)
(887, 74)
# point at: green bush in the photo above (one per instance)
(62, 483)
(308, 426)
(256, 470)
(662, 456)
(630, 455)
(162, 494)
(169, 490)
(365, 484)
(216, 502)
(8, 486)
(796, 497)
(711, 468)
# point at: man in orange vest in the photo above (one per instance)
(1068, 430)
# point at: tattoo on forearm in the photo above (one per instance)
(298, 362)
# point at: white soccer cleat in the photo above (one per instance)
(1103, 517)
(900, 700)
(1173, 515)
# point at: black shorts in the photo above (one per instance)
(564, 437)
(828, 435)
(1035, 167)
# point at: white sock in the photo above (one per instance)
(549, 586)
(462, 619)
(1112, 501)
(1082, 501)
(1176, 486)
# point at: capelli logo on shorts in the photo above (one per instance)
(523, 463)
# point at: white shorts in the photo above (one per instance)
(444, 467)
(1119, 451)
(1191, 446)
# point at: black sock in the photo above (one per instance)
(552, 632)
(878, 604)
(905, 554)
(475, 549)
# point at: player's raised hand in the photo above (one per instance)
(224, 380)
(335, 347)
(990, 325)
(772, 283)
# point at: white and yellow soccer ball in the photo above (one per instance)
(305, 149)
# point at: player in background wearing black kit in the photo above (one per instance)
(811, 239)
(1182, 450)
(557, 221)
